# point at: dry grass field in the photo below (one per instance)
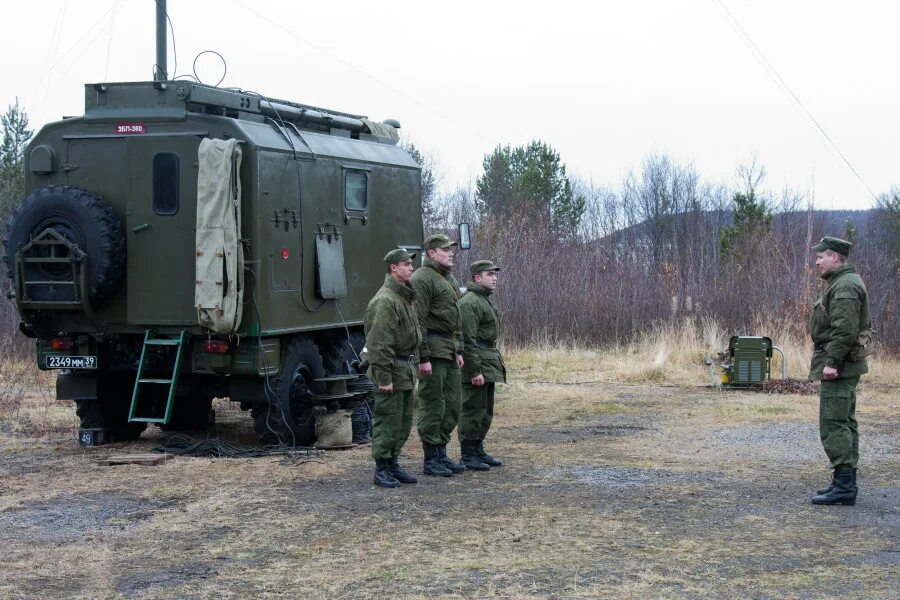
(625, 477)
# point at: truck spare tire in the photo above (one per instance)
(83, 219)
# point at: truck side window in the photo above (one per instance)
(165, 183)
(356, 190)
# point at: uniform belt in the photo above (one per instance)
(436, 333)
(485, 343)
(405, 358)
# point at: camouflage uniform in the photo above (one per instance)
(837, 319)
(841, 331)
(437, 293)
(481, 328)
(392, 343)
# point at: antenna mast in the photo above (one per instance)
(160, 73)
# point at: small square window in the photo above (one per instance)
(165, 183)
(356, 190)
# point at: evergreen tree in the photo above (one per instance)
(750, 212)
(15, 136)
(531, 180)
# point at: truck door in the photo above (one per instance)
(161, 216)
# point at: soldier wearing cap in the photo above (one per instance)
(392, 342)
(483, 367)
(841, 334)
(437, 293)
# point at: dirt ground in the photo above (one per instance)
(608, 490)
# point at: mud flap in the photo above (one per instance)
(76, 385)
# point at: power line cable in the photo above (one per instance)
(779, 80)
(112, 29)
(48, 72)
(349, 65)
(53, 48)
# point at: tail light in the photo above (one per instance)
(61, 343)
(215, 346)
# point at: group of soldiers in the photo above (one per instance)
(419, 326)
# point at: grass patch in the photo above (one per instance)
(612, 487)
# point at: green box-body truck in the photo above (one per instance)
(181, 242)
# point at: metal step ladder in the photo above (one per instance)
(150, 339)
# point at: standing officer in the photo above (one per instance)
(437, 293)
(483, 367)
(392, 342)
(841, 334)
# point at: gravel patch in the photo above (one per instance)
(626, 477)
(68, 518)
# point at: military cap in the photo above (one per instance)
(398, 255)
(834, 244)
(438, 240)
(480, 266)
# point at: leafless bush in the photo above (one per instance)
(14, 347)
(649, 254)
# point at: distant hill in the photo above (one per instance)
(824, 222)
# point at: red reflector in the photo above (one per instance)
(285, 253)
(215, 346)
(61, 343)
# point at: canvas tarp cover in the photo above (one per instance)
(219, 288)
(383, 130)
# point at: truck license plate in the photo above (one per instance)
(71, 362)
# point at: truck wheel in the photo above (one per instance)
(286, 418)
(190, 414)
(110, 410)
(83, 219)
(115, 426)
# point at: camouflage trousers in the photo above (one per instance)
(837, 421)
(391, 423)
(439, 402)
(477, 411)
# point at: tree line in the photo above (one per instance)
(602, 263)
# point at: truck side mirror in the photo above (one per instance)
(465, 242)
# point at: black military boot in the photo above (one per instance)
(487, 458)
(401, 475)
(470, 457)
(843, 489)
(432, 465)
(829, 488)
(831, 485)
(448, 462)
(383, 475)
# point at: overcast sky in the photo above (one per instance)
(605, 83)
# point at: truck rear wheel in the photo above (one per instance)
(191, 414)
(81, 218)
(109, 411)
(286, 417)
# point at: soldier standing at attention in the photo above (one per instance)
(392, 343)
(841, 335)
(437, 293)
(483, 367)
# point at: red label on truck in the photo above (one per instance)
(128, 128)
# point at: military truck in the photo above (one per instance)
(182, 242)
